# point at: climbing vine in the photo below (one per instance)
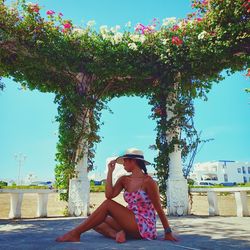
(86, 68)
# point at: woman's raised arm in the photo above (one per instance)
(110, 190)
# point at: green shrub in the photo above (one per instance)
(3, 184)
(100, 188)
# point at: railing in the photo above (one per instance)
(16, 198)
(240, 194)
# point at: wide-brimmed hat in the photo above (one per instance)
(132, 153)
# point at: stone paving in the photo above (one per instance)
(194, 233)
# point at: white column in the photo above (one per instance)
(241, 203)
(79, 187)
(42, 202)
(177, 187)
(15, 205)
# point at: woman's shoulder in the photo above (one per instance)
(123, 179)
(149, 180)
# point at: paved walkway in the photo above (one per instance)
(194, 233)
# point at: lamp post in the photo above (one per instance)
(20, 158)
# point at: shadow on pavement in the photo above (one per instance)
(194, 233)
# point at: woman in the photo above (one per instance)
(138, 219)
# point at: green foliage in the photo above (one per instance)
(65, 211)
(190, 182)
(247, 184)
(3, 184)
(100, 188)
(85, 69)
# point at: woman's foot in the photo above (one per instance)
(120, 237)
(69, 237)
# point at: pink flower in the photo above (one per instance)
(50, 12)
(198, 19)
(204, 2)
(60, 14)
(67, 25)
(177, 41)
(175, 27)
(140, 27)
(143, 29)
(247, 5)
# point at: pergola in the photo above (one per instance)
(170, 64)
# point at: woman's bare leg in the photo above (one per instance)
(110, 228)
(106, 230)
(123, 217)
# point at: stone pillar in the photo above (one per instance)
(213, 208)
(15, 205)
(241, 203)
(177, 187)
(42, 203)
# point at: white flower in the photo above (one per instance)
(104, 29)
(91, 23)
(169, 21)
(142, 38)
(115, 29)
(78, 31)
(164, 41)
(132, 46)
(151, 27)
(137, 38)
(162, 57)
(105, 36)
(117, 38)
(128, 24)
(202, 35)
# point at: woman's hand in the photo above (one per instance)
(111, 165)
(170, 236)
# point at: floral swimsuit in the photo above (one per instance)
(143, 209)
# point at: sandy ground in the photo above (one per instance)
(227, 206)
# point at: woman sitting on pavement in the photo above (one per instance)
(138, 219)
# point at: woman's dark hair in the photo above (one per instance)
(142, 165)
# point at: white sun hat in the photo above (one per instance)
(132, 153)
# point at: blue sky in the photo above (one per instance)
(27, 117)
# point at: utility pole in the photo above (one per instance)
(20, 158)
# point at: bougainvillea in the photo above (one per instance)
(86, 68)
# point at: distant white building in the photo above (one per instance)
(221, 171)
